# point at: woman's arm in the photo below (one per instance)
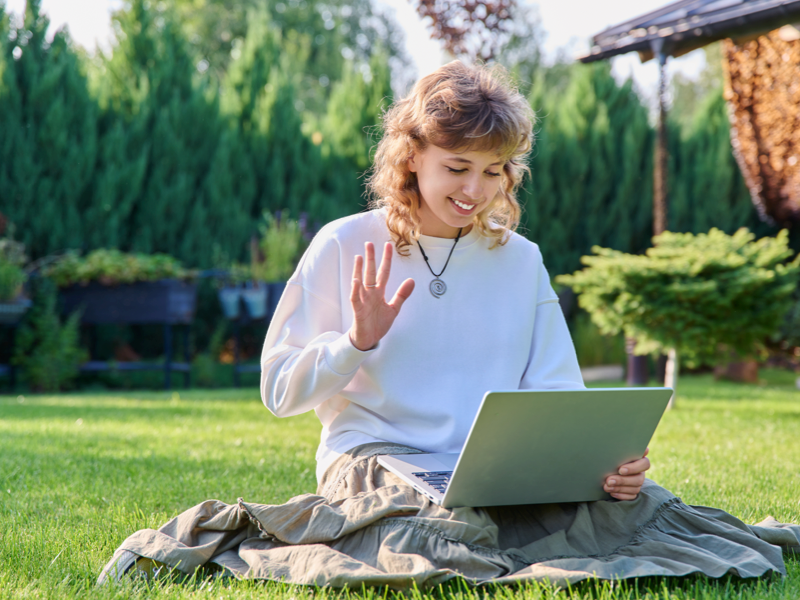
(308, 357)
(552, 363)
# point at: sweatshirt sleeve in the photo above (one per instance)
(307, 356)
(552, 362)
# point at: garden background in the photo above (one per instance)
(203, 116)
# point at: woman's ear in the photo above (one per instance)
(412, 163)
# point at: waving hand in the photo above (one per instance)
(372, 315)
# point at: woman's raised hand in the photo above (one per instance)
(372, 315)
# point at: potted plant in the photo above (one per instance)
(13, 304)
(230, 289)
(280, 246)
(114, 287)
(109, 286)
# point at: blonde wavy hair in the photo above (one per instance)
(459, 108)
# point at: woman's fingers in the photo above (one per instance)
(635, 467)
(386, 265)
(402, 294)
(616, 481)
(355, 291)
(624, 496)
(624, 488)
(370, 278)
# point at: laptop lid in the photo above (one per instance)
(533, 447)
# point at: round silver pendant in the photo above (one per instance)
(438, 288)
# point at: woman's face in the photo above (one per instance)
(455, 186)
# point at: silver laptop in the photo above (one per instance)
(536, 447)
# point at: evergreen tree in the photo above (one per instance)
(249, 73)
(223, 210)
(49, 146)
(287, 163)
(118, 181)
(590, 171)
(355, 108)
(173, 126)
(337, 31)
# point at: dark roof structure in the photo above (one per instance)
(686, 25)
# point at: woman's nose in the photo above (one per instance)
(473, 188)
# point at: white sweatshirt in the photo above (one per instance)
(498, 327)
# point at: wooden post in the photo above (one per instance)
(671, 377)
(661, 151)
(637, 365)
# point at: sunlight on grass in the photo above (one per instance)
(80, 472)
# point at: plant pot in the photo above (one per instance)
(12, 312)
(169, 301)
(741, 371)
(275, 292)
(255, 300)
(229, 301)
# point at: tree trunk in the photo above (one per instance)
(637, 365)
(671, 375)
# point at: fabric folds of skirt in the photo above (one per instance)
(364, 526)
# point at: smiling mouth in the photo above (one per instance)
(463, 205)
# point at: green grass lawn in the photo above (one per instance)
(81, 472)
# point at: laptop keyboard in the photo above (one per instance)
(438, 480)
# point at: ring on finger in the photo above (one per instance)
(366, 285)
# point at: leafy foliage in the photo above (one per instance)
(48, 145)
(12, 258)
(112, 267)
(590, 170)
(46, 349)
(205, 365)
(693, 293)
(706, 188)
(11, 279)
(332, 32)
(281, 244)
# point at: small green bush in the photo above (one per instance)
(11, 279)
(47, 350)
(12, 258)
(112, 267)
(206, 365)
(592, 347)
(281, 244)
(696, 294)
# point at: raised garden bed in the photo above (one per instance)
(11, 314)
(168, 301)
(274, 292)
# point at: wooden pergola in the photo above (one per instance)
(763, 90)
(678, 28)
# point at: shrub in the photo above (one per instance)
(694, 294)
(12, 257)
(48, 350)
(281, 244)
(11, 279)
(111, 267)
(206, 365)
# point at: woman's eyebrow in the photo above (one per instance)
(469, 162)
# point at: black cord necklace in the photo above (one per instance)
(437, 286)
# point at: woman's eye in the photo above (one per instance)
(457, 171)
(490, 174)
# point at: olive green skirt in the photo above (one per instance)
(365, 526)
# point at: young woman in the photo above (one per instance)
(395, 357)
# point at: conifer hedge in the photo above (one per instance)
(153, 156)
